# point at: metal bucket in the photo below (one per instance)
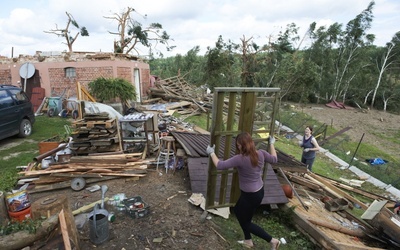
(98, 224)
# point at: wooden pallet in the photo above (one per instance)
(108, 124)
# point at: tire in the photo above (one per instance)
(75, 114)
(64, 113)
(25, 128)
(50, 112)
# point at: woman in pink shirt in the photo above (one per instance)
(249, 164)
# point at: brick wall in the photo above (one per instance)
(5, 76)
(125, 73)
(89, 66)
(61, 84)
(145, 82)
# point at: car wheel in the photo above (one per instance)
(25, 128)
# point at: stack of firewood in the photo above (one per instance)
(94, 134)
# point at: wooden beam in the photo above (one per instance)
(304, 182)
(334, 190)
(64, 230)
(87, 207)
(66, 184)
(21, 239)
(339, 228)
(310, 229)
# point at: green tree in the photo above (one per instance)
(221, 65)
(190, 65)
(340, 53)
(104, 89)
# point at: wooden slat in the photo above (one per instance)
(64, 230)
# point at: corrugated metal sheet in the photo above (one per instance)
(195, 145)
(134, 117)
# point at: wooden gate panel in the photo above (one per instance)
(225, 116)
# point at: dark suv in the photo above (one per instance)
(16, 112)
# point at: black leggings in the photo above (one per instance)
(244, 209)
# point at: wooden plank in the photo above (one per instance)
(324, 236)
(334, 135)
(334, 190)
(123, 174)
(64, 230)
(66, 184)
(356, 233)
(303, 182)
(43, 172)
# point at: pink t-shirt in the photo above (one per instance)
(250, 177)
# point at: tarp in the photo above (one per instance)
(337, 105)
(376, 161)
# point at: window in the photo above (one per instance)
(70, 72)
(19, 96)
(5, 99)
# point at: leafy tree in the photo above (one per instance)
(220, 64)
(66, 32)
(340, 53)
(190, 65)
(131, 34)
(113, 88)
(286, 39)
(249, 51)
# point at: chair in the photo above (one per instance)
(166, 150)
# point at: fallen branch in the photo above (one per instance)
(218, 234)
(22, 239)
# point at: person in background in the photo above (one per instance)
(310, 147)
(249, 163)
(396, 209)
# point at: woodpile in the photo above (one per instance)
(94, 134)
(177, 89)
(91, 169)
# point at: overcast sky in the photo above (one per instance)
(189, 22)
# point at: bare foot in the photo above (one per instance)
(275, 243)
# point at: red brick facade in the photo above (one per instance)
(50, 73)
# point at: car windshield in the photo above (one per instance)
(19, 95)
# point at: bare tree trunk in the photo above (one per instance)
(385, 101)
(366, 96)
(381, 71)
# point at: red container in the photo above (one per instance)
(21, 215)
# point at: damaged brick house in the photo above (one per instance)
(57, 73)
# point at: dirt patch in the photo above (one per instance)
(10, 143)
(377, 126)
(172, 222)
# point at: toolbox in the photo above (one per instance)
(136, 207)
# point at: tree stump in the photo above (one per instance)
(52, 205)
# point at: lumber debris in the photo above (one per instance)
(94, 168)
